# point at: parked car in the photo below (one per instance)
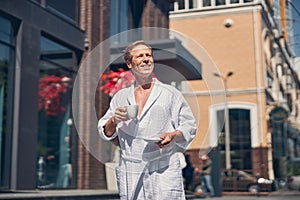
(294, 182)
(238, 180)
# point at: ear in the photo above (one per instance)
(129, 64)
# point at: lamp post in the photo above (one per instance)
(226, 116)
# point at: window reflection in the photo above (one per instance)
(68, 9)
(7, 36)
(54, 166)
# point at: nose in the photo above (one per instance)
(145, 59)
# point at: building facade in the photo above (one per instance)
(249, 45)
(41, 46)
(43, 42)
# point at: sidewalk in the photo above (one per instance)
(285, 193)
(60, 194)
(113, 195)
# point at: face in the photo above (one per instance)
(142, 63)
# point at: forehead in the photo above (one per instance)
(140, 49)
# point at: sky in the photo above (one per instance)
(296, 27)
(296, 18)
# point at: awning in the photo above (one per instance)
(173, 62)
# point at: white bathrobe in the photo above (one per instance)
(146, 171)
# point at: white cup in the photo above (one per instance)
(132, 111)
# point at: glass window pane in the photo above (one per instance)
(5, 30)
(234, 1)
(180, 4)
(4, 62)
(49, 45)
(171, 6)
(220, 2)
(118, 20)
(66, 8)
(206, 3)
(54, 166)
(240, 138)
(192, 4)
(6, 87)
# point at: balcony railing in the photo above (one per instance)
(184, 5)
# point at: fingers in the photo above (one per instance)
(120, 115)
(166, 139)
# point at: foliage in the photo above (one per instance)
(113, 81)
(51, 89)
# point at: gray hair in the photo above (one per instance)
(127, 53)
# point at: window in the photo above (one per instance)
(7, 46)
(192, 4)
(181, 4)
(240, 138)
(206, 3)
(68, 9)
(54, 162)
(199, 4)
(220, 2)
(234, 1)
(118, 20)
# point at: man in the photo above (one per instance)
(206, 176)
(148, 169)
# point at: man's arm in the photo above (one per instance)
(110, 127)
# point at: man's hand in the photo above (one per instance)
(120, 115)
(169, 137)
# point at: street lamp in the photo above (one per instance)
(226, 116)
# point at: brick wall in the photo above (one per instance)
(95, 22)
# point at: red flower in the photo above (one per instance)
(113, 81)
(50, 90)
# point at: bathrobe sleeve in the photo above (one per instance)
(184, 120)
(115, 102)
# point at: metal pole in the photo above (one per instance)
(226, 118)
(227, 133)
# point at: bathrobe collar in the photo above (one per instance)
(155, 93)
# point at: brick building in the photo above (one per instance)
(248, 39)
(102, 20)
(45, 144)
